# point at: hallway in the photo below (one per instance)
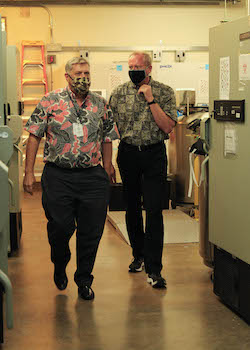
(127, 313)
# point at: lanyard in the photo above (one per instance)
(78, 110)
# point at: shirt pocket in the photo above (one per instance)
(95, 124)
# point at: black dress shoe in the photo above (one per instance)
(61, 280)
(86, 293)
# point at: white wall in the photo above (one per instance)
(117, 26)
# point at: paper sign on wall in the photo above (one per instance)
(224, 78)
(230, 141)
(244, 67)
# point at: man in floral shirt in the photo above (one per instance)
(79, 129)
(145, 113)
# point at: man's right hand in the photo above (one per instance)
(28, 182)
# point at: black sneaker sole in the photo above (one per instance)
(136, 270)
(157, 284)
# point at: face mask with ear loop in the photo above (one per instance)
(80, 85)
(137, 76)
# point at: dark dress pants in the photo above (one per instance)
(144, 176)
(75, 198)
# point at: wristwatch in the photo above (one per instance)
(152, 102)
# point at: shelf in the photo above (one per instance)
(33, 82)
(31, 100)
(32, 63)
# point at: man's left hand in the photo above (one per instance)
(110, 170)
(112, 175)
(147, 91)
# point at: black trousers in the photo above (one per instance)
(75, 199)
(144, 174)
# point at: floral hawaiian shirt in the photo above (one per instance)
(133, 116)
(74, 134)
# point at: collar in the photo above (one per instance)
(73, 95)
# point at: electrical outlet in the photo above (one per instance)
(84, 54)
(180, 56)
(157, 54)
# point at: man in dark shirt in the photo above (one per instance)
(79, 130)
(145, 113)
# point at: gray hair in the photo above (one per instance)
(74, 60)
(146, 57)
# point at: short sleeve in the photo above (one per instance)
(168, 103)
(37, 123)
(113, 104)
(110, 131)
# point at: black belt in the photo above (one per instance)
(53, 165)
(140, 148)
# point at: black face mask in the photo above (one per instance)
(137, 76)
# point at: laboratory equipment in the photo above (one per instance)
(229, 166)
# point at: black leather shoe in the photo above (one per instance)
(61, 280)
(86, 293)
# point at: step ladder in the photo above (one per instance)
(34, 85)
(36, 62)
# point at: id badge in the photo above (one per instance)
(77, 129)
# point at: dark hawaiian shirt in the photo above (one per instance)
(58, 113)
(133, 116)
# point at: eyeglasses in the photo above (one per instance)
(137, 67)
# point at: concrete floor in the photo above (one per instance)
(127, 314)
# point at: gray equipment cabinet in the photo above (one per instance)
(229, 165)
(14, 121)
(13, 71)
(16, 177)
(6, 150)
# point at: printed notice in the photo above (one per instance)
(115, 79)
(244, 67)
(230, 141)
(203, 91)
(224, 78)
